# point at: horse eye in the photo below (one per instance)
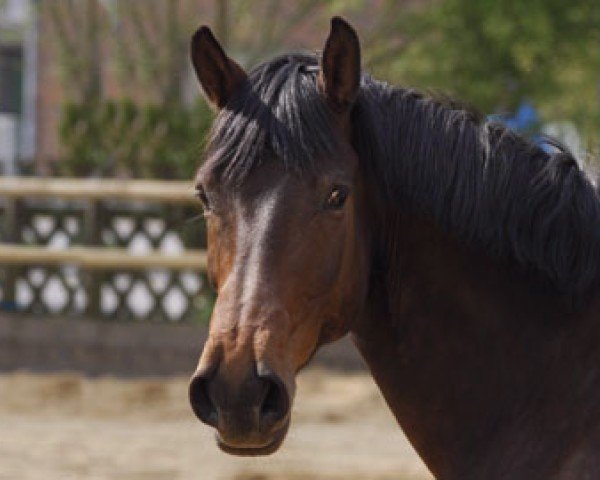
(201, 195)
(336, 198)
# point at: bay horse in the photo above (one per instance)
(463, 259)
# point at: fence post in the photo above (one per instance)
(13, 235)
(92, 231)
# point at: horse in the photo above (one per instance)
(462, 258)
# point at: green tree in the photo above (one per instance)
(77, 30)
(495, 54)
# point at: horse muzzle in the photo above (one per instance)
(251, 413)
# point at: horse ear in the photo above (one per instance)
(340, 66)
(219, 76)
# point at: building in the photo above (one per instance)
(18, 74)
(53, 52)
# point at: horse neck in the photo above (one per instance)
(470, 355)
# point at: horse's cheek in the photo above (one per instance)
(221, 251)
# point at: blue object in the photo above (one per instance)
(545, 144)
(527, 121)
(525, 118)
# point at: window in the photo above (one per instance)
(11, 61)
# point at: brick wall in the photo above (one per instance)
(305, 35)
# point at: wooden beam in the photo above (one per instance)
(101, 258)
(181, 192)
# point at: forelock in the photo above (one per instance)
(278, 114)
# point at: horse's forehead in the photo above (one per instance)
(271, 174)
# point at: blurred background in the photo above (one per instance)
(103, 299)
(104, 87)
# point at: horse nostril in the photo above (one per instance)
(200, 400)
(275, 404)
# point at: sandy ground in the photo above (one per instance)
(63, 427)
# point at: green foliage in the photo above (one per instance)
(490, 53)
(495, 54)
(122, 138)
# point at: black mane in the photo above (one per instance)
(477, 179)
(280, 113)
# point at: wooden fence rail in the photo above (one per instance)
(97, 189)
(84, 213)
(101, 258)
